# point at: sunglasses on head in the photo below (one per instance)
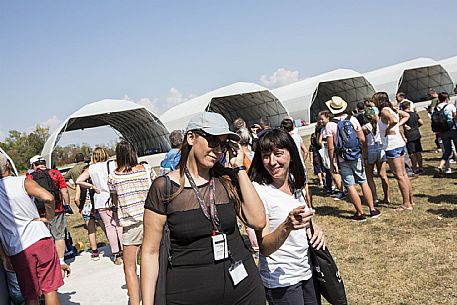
(213, 141)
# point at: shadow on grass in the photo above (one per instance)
(448, 198)
(332, 211)
(446, 213)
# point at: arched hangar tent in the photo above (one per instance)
(13, 169)
(305, 99)
(414, 77)
(246, 100)
(450, 64)
(134, 122)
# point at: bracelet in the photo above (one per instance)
(239, 168)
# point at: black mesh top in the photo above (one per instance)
(190, 230)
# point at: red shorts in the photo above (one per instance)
(38, 269)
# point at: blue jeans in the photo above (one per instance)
(302, 293)
(447, 137)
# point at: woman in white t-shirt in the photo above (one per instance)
(394, 144)
(376, 154)
(98, 172)
(278, 176)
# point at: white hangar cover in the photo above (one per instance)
(13, 169)
(450, 65)
(246, 100)
(134, 122)
(305, 99)
(414, 77)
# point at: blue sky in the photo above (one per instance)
(57, 56)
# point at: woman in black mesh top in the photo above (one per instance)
(210, 263)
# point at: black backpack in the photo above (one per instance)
(440, 122)
(43, 178)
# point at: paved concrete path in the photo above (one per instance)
(94, 282)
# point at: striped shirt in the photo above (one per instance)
(131, 189)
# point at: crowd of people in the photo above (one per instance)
(211, 181)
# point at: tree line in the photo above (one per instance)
(21, 146)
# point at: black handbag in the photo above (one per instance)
(160, 295)
(327, 279)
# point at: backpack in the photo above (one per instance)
(440, 122)
(348, 145)
(169, 163)
(315, 141)
(70, 249)
(43, 178)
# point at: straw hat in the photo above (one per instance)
(336, 105)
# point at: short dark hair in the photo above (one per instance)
(176, 138)
(443, 96)
(405, 105)
(287, 124)
(79, 157)
(126, 157)
(264, 122)
(401, 94)
(274, 139)
(360, 106)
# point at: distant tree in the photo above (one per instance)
(22, 146)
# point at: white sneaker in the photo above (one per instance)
(448, 171)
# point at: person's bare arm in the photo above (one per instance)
(305, 151)
(331, 154)
(35, 190)
(153, 230)
(252, 208)
(81, 181)
(269, 242)
(65, 195)
(404, 117)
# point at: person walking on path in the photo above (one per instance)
(58, 187)
(129, 185)
(28, 247)
(98, 173)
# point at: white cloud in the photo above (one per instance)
(175, 97)
(280, 77)
(53, 122)
(156, 106)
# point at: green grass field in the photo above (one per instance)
(404, 257)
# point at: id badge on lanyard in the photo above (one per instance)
(220, 246)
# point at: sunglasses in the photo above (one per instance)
(214, 141)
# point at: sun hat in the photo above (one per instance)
(370, 112)
(36, 158)
(336, 105)
(212, 123)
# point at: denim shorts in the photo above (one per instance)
(376, 154)
(352, 172)
(396, 152)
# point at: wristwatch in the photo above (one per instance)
(239, 168)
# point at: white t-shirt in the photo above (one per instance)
(98, 173)
(394, 141)
(372, 138)
(18, 230)
(290, 263)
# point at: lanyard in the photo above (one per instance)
(211, 215)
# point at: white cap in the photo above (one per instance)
(36, 158)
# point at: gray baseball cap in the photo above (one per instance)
(212, 123)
